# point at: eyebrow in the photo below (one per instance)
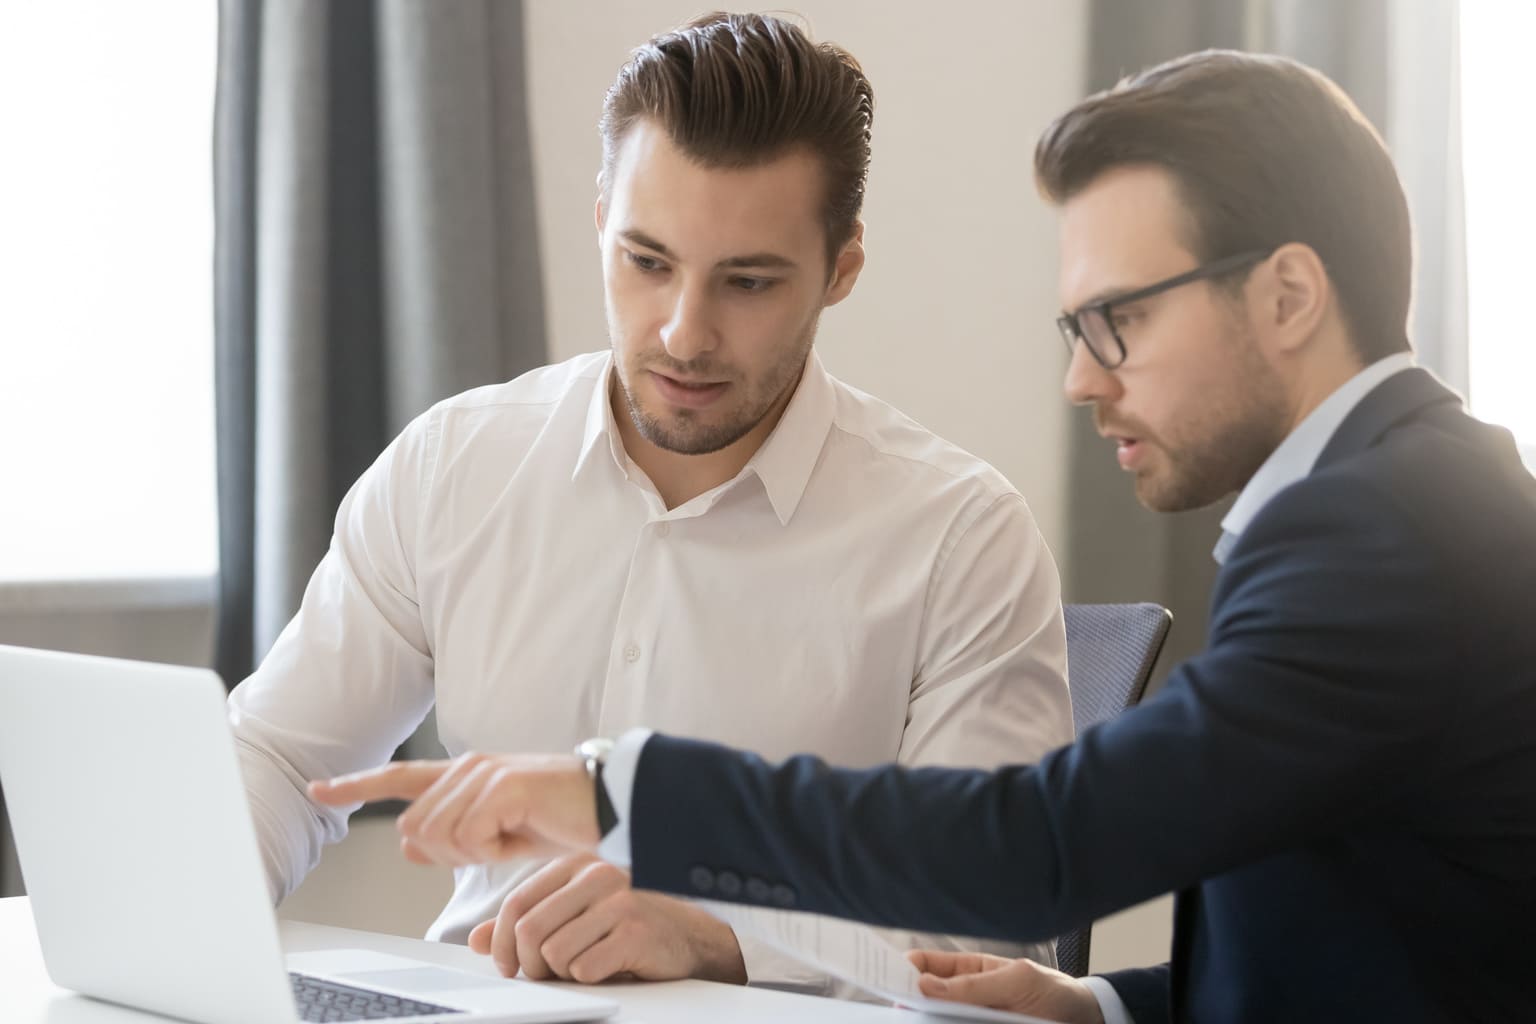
(758, 260)
(1106, 296)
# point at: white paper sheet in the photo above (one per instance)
(850, 952)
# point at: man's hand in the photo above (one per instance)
(578, 919)
(479, 808)
(1020, 986)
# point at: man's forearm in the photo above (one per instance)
(290, 830)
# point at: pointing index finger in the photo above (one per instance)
(400, 780)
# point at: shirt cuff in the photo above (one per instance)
(769, 968)
(1110, 1004)
(619, 779)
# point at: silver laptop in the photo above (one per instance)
(140, 857)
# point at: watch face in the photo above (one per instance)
(595, 749)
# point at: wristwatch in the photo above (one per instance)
(594, 753)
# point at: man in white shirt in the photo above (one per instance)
(700, 532)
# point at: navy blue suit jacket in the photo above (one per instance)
(1341, 788)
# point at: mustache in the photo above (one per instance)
(1119, 428)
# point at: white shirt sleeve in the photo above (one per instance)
(1110, 1004)
(991, 691)
(349, 678)
(991, 687)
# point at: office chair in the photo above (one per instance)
(1111, 649)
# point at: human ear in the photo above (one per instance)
(1295, 293)
(847, 267)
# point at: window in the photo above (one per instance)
(1499, 151)
(106, 329)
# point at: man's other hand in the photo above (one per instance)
(1019, 986)
(578, 919)
(479, 808)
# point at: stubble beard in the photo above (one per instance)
(1221, 451)
(685, 431)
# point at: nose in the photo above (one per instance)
(689, 331)
(1087, 381)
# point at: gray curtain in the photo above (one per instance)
(375, 252)
(1397, 60)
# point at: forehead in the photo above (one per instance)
(715, 212)
(1126, 229)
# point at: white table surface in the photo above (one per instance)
(27, 996)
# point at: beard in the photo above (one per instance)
(1216, 450)
(702, 431)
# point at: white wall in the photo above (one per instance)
(952, 319)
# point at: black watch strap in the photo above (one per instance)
(607, 817)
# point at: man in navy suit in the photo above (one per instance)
(1342, 787)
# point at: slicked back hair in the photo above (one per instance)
(741, 90)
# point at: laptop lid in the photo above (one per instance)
(140, 857)
(140, 865)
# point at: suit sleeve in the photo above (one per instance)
(1306, 712)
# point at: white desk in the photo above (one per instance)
(28, 997)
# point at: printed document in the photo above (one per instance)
(851, 952)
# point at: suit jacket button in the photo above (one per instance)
(783, 896)
(757, 890)
(729, 884)
(702, 879)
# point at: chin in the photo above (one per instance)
(1158, 493)
(1155, 501)
(1174, 498)
(688, 435)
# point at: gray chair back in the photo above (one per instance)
(1111, 649)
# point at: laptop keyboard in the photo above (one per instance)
(320, 1000)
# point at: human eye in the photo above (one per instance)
(752, 285)
(643, 263)
(1122, 317)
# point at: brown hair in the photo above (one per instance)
(738, 90)
(1264, 151)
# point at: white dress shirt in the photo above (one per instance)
(1287, 464)
(861, 590)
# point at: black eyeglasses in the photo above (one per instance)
(1094, 324)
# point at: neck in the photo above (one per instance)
(678, 477)
(1329, 369)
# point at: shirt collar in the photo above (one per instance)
(784, 462)
(1297, 454)
(600, 426)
